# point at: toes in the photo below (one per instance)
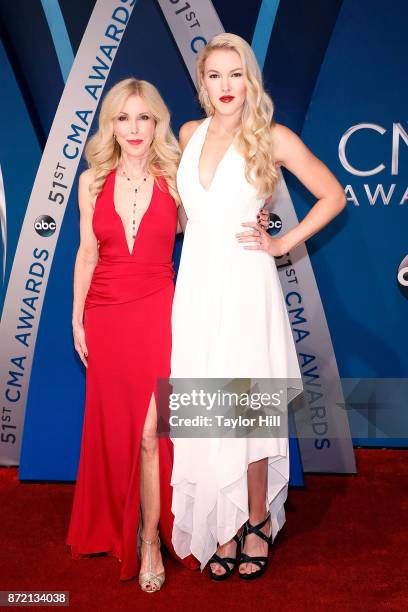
(247, 568)
(217, 569)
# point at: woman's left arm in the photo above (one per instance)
(291, 152)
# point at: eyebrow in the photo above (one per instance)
(212, 70)
(141, 113)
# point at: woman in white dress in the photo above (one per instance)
(229, 315)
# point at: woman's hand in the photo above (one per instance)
(79, 342)
(263, 218)
(260, 240)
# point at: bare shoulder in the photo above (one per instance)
(281, 135)
(187, 130)
(286, 143)
(86, 178)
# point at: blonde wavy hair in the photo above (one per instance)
(253, 140)
(103, 152)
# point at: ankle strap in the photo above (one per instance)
(259, 525)
(257, 529)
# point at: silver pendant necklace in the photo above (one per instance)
(134, 203)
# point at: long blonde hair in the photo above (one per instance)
(254, 139)
(103, 152)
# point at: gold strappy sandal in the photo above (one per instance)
(149, 576)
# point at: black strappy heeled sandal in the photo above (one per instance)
(262, 562)
(224, 561)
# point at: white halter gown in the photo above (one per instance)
(229, 320)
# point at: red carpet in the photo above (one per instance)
(344, 547)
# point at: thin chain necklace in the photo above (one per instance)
(123, 172)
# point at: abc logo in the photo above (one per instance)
(275, 224)
(402, 277)
(45, 226)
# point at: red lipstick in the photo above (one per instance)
(227, 99)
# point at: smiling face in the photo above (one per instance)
(224, 81)
(134, 127)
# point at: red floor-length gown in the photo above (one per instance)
(127, 321)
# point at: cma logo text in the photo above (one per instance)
(383, 193)
(398, 134)
(402, 277)
(275, 224)
(45, 226)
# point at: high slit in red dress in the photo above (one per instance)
(127, 320)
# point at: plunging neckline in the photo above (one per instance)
(219, 163)
(130, 252)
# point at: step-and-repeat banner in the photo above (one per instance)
(336, 76)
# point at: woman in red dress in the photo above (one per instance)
(123, 293)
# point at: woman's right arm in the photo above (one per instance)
(86, 260)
